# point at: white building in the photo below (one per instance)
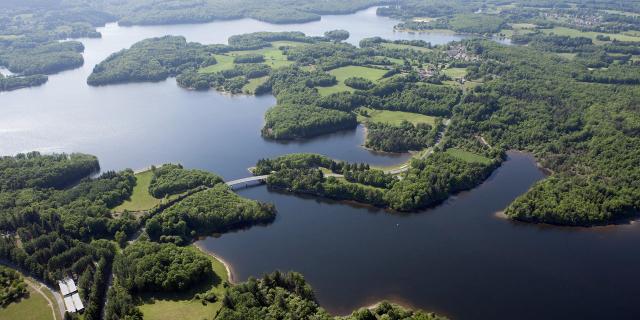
(64, 289)
(71, 285)
(68, 303)
(77, 302)
(70, 294)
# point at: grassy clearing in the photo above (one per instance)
(568, 55)
(468, 156)
(141, 199)
(224, 63)
(344, 73)
(562, 31)
(624, 13)
(250, 88)
(405, 46)
(172, 306)
(35, 307)
(394, 117)
(455, 73)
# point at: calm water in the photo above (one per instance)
(135, 125)
(458, 259)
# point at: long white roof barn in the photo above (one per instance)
(77, 302)
(64, 289)
(68, 302)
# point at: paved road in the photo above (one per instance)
(246, 180)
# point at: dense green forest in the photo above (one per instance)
(428, 182)
(402, 138)
(172, 179)
(214, 210)
(585, 132)
(149, 266)
(150, 60)
(288, 296)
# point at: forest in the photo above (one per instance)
(170, 179)
(214, 210)
(288, 296)
(427, 182)
(585, 132)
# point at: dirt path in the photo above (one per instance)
(38, 288)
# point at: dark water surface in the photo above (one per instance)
(458, 259)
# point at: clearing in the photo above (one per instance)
(250, 88)
(562, 31)
(141, 199)
(35, 307)
(344, 73)
(394, 117)
(224, 63)
(468, 156)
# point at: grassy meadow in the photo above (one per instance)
(344, 73)
(141, 199)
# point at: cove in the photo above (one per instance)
(457, 259)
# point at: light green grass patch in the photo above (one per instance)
(35, 307)
(250, 88)
(225, 62)
(468, 156)
(171, 306)
(567, 55)
(405, 46)
(344, 73)
(273, 57)
(624, 13)
(394, 117)
(455, 73)
(562, 31)
(141, 199)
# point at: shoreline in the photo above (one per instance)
(226, 265)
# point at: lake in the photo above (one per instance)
(457, 259)
(135, 125)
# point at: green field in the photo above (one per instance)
(224, 63)
(405, 46)
(35, 307)
(250, 87)
(455, 73)
(344, 73)
(562, 31)
(394, 117)
(272, 55)
(183, 306)
(468, 156)
(141, 199)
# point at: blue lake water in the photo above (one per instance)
(457, 259)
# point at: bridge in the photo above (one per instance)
(246, 182)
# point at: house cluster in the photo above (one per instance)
(577, 20)
(70, 294)
(459, 52)
(427, 72)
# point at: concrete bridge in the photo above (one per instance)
(246, 182)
